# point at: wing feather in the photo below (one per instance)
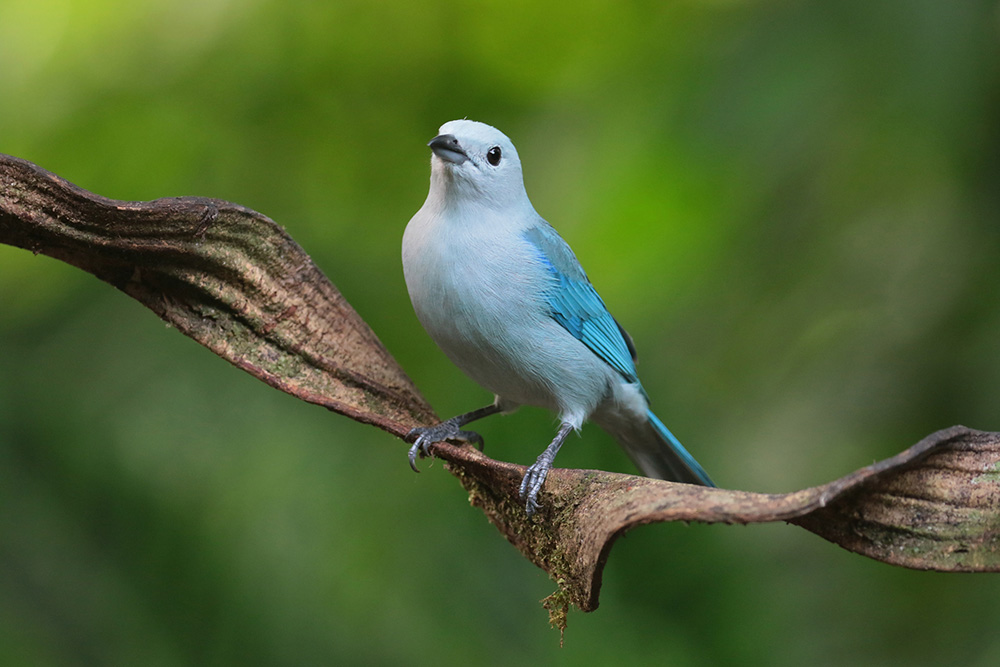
(577, 306)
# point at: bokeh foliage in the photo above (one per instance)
(792, 206)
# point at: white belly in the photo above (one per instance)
(493, 322)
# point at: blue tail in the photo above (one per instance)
(652, 447)
(678, 463)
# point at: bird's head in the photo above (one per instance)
(475, 162)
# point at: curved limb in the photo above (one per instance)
(536, 474)
(449, 429)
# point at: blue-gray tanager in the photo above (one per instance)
(505, 298)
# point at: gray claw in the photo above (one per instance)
(472, 438)
(419, 447)
(531, 484)
(428, 435)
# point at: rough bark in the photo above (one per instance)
(233, 280)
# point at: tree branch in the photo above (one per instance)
(233, 280)
(226, 276)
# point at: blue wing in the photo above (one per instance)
(577, 306)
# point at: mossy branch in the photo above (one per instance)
(233, 280)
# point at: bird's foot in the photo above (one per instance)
(532, 484)
(425, 436)
(539, 470)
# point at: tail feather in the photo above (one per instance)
(656, 451)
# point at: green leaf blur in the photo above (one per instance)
(792, 206)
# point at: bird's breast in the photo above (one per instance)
(479, 293)
(482, 294)
(466, 283)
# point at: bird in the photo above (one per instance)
(505, 298)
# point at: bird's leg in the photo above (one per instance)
(535, 476)
(449, 429)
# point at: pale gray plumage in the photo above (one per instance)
(504, 297)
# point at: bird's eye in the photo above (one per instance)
(493, 156)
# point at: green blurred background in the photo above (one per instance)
(792, 206)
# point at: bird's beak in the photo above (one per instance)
(446, 147)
